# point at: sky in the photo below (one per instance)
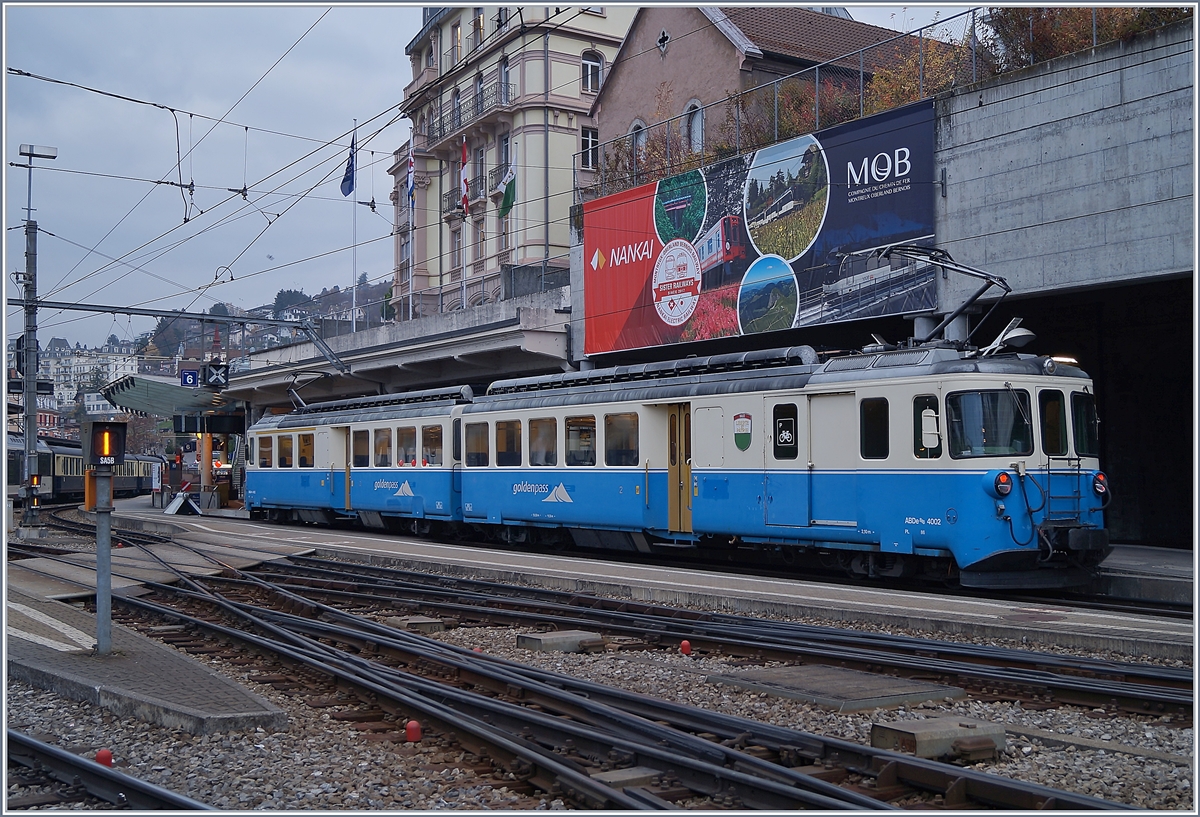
(261, 98)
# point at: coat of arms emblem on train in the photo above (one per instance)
(742, 427)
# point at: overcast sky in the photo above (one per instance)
(288, 80)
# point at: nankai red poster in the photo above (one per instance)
(759, 242)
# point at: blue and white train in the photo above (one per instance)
(979, 467)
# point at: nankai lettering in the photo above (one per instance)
(642, 251)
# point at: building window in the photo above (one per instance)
(456, 108)
(455, 248)
(501, 233)
(592, 65)
(477, 29)
(502, 19)
(479, 95)
(504, 82)
(480, 237)
(455, 43)
(590, 158)
(694, 122)
(480, 168)
(637, 133)
(429, 58)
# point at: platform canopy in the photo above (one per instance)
(164, 397)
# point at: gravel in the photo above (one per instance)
(323, 764)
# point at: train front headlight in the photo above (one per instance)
(1003, 483)
(1100, 484)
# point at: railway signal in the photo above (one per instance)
(107, 444)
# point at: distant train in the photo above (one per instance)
(721, 245)
(60, 464)
(931, 461)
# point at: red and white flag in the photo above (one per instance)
(465, 193)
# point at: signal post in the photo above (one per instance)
(106, 448)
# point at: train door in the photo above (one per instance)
(339, 466)
(833, 458)
(679, 467)
(786, 474)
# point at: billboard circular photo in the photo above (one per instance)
(676, 282)
(769, 297)
(787, 197)
(679, 205)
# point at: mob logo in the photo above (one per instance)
(880, 168)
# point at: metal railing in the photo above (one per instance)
(902, 69)
(453, 117)
(476, 189)
(492, 287)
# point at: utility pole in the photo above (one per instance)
(29, 385)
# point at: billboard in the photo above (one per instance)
(756, 243)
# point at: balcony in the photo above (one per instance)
(495, 178)
(451, 58)
(451, 201)
(452, 118)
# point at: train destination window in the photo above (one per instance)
(989, 423)
(285, 451)
(406, 446)
(383, 448)
(361, 449)
(581, 440)
(621, 439)
(787, 440)
(431, 445)
(1053, 409)
(543, 441)
(927, 440)
(1086, 424)
(305, 453)
(873, 428)
(508, 442)
(477, 445)
(264, 452)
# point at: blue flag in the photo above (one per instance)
(348, 179)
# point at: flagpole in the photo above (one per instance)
(412, 239)
(354, 248)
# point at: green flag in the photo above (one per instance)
(509, 183)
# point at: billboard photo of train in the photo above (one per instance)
(770, 230)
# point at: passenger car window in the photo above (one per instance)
(873, 428)
(383, 448)
(477, 445)
(581, 440)
(361, 449)
(306, 458)
(285, 451)
(431, 445)
(264, 452)
(543, 441)
(406, 445)
(621, 439)
(508, 442)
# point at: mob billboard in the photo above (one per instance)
(758, 243)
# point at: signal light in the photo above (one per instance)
(35, 480)
(107, 444)
(1004, 483)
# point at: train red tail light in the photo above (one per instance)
(1100, 484)
(1004, 483)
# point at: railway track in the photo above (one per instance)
(52, 777)
(1036, 679)
(559, 734)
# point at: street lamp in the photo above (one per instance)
(29, 384)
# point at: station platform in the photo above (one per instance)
(1148, 574)
(50, 642)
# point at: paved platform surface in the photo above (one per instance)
(1150, 574)
(50, 644)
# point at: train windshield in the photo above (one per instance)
(989, 423)
(1087, 424)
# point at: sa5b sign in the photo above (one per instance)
(106, 443)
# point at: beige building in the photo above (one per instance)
(515, 85)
